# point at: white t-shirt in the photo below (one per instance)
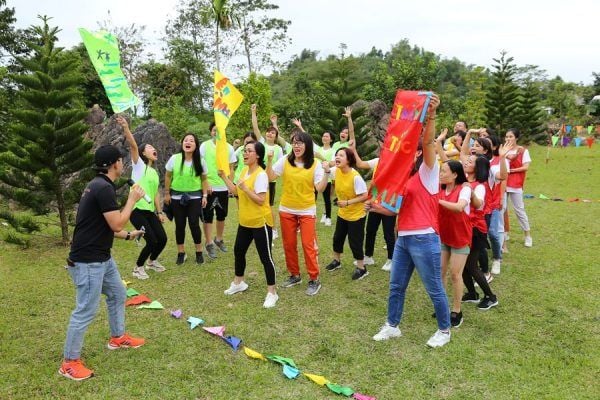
(360, 187)
(480, 194)
(317, 177)
(494, 172)
(526, 160)
(430, 178)
(373, 163)
(138, 169)
(232, 160)
(170, 165)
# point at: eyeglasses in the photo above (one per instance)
(297, 144)
(249, 151)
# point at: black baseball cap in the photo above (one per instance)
(106, 156)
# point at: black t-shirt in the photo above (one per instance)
(93, 237)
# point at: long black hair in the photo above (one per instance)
(419, 159)
(308, 158)
(495, 144)
(486, 143)
(456, 167)
(259, 148)
(482, 168)
(195, 155)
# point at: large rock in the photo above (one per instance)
(104, 132)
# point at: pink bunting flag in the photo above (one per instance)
(176, 314)
(215, 330)
(359, 396)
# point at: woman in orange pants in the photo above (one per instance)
(301, 175)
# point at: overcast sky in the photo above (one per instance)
(562, 37)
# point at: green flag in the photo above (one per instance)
(103, 49)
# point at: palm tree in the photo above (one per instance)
(222, 14)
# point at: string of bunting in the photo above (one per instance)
(289, 368)
(570, 200)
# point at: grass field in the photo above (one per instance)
(542, 341)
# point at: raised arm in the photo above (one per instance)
(133, 147)
(438, 146)
(428, 148)
(255, 122)
(298, 123)
(503, 174)
(359, 162)
(348, 115)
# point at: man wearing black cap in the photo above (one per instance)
(93, 270)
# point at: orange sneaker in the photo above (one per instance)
(74, 369)
(125, 341)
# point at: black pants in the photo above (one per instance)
(471, 271)
(388, 222)
(262, 240)
(326, 199)
(355, 230)
(217, 203)
(272, 188)
(190, 212)
(484, 262)
(155, 236)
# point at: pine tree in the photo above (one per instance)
(342, 89)
(47, 147)
(530, 114)
(502, 100)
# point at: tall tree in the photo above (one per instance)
(502, 101)
(47, 147)
(262, 36)
(222, 14)
(530, 113)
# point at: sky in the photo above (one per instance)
(561, 37)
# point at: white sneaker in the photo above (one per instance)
(275, 234)
(528, 241)
(439, 339)
(366, 261)
(387, 332)
(387, 266)
(270, 300)
(233, 288)
(323, 218)
(506, 237)
(327, 221)
(156, 266)
(140, 273)
(496, 267)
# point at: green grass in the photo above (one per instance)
(541, 342)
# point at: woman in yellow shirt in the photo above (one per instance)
(255, 220)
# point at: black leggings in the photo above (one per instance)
(355, 230)
(263, 238)
(471, 271)
(190, 212)
(326, 199)
(484, 262)
(388, 222)
(155, 236)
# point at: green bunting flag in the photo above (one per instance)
(103, 49)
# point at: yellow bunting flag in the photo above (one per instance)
(254, 354)
(227, 99)
(318, 379)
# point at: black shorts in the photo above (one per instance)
(272, 186)
(217, 203)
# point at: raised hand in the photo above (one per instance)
(297, 122)
(253, 108)
(433, 104)
(273, 119)
(503, 150)
(122, 122)
(347, 112)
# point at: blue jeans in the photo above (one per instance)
(422, 252)
(496, 237)
(91, 280)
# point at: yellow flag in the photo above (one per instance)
(318, 379)
(227, 99)
(254, 354)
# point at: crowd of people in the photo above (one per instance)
(454, 206)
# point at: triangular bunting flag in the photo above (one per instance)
(544, 197)
(176, 314)
(233, 341)
(590, 141)
(125, 283)
(290, 372)
(344, 390)
(254, 354)
(359, 396)
(282, 360)
(137, 300)
(554, 140)
(318, 379)
(155, 305)
(215, 330)
(590, 128)
(577, 141)
(194, 322)
(132, 292)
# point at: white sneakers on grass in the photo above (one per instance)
(140, 273)
(233, 288)
(496, 264)
(270, 300)
(439, 339)
(156, 266)
(528, 241)
(387, 266)
(387, 332)
(366, 261)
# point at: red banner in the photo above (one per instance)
(397, 155)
